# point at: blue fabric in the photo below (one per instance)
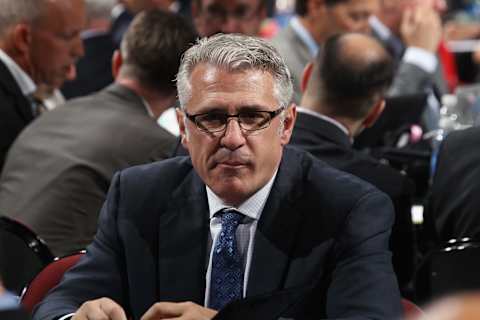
(227, 266)
(9, 301)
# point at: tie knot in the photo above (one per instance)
(231, 217)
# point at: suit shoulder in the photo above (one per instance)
(167, 172)
(320, 174)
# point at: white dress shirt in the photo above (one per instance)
(252, 209)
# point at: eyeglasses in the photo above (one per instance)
(248, 120)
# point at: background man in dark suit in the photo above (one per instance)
(344, 91)
(58, 171)
(39, 43)
(454, 199)
(241, 217)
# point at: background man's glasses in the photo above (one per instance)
(241, 12)
(213, 122)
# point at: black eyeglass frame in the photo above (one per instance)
(271, 114)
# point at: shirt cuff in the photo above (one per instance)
(422, 58)
(67, 316)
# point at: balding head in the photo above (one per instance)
(352, 73)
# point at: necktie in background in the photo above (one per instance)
(227, 265)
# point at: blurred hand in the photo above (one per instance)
(100, 309)
(421, 27)
(178, 311)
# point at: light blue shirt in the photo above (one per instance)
(9, 301)
(305, 36)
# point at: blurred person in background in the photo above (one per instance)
(314, 22)
(465, 306)
(59, 169)
(344, 93)
(411, 30)
(94, 70)
(126, 10)
(39, 45)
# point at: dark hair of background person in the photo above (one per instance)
(152, 54)
(301, 5)
(350, 82)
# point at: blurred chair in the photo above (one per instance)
(22, 254)
(410, 309)
(48, 278)
(452, 268)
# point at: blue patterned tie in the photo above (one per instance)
(227, 267)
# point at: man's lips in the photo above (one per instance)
(233, 163)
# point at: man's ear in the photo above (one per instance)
(374, 113)
(288, 124)
(307, 73)
(22, 38)
(181, 125)
(117, 62)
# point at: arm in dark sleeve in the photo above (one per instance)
(100, 273)
(363, 284)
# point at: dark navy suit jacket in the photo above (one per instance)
(320, 229)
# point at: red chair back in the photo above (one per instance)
(48, 278)
(410, 309)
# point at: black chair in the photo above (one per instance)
(452, 268)
(22, 254)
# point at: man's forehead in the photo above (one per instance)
(230, 3)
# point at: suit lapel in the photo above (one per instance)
(183, 233)
(8, 82)
(277, 230)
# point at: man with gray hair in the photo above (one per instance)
(39, 43)
(61, 195)
(244, 227)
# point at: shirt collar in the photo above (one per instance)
(305, 36)
(324, 117)
(252, 207)
(382, 30)
(23, 80)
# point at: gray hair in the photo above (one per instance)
(16, 11)
(235, 52)
(99, 9)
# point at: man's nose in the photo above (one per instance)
(233, 138)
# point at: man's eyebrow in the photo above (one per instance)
(218, 109)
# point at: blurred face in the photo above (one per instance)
(228, 16)
(351, 16)
(392, 10)
(55, 42)
(135, 6)
(234, 163)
